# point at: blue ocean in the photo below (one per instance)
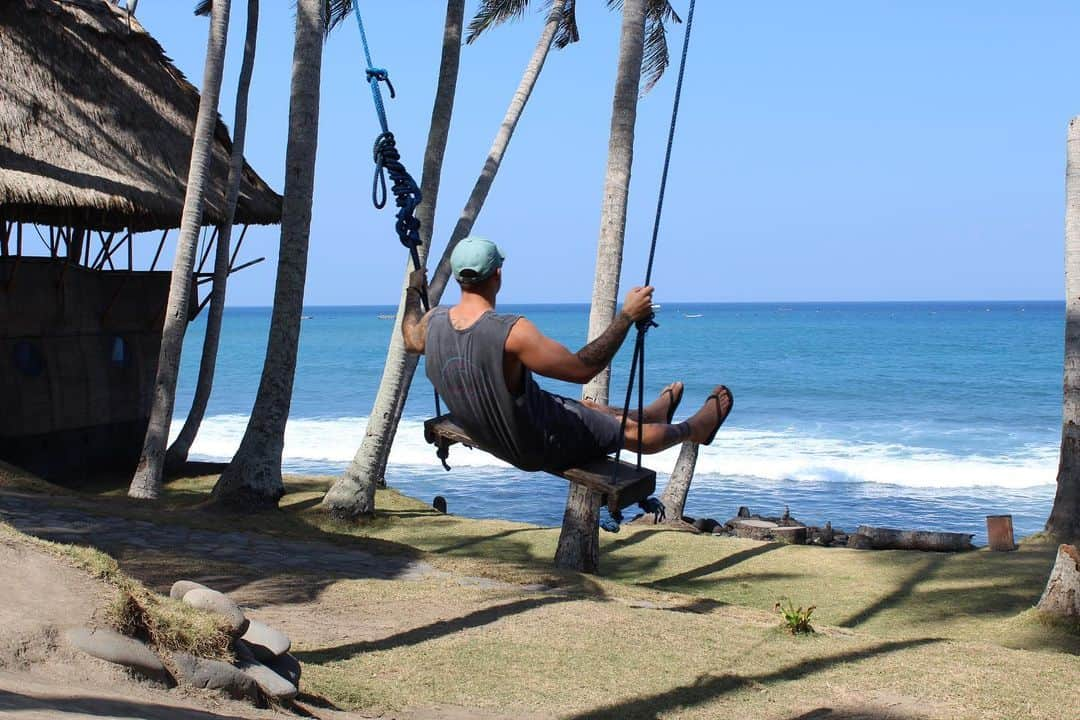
(913, 415)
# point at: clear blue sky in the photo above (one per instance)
(829, 151)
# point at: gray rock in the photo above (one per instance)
(705, 525)
(272, 684)
(180, 588)
(859, 542)
(219, 604)
(243, 651)
(287, 667)
(215, 675)
(265, 641)
(113, 647)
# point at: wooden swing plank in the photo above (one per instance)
(629, 485)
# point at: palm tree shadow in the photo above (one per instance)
(718, 566)
(707, 688)
(424, 633)
(899, 595)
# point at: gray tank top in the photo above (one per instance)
(466, 367)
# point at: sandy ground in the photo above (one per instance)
(42, 679)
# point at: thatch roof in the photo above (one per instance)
(96, 124)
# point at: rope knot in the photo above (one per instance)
(378, 75)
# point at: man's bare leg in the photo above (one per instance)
(659, 410)
(701, 427)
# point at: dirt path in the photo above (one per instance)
(280, 580)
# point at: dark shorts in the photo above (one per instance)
(575, 434)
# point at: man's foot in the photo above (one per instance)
(662, 409)
(706, 421)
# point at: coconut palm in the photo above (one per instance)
(578, 548)
(148, 476)
(1064, 521)
(181, 446)
(354, 493)
(253, 478)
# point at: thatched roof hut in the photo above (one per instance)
(96, 124)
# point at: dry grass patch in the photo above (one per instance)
(137, 611)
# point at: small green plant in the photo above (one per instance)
(796, 619)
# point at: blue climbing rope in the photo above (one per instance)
(637, 363)
(406, 192)
(388, 161)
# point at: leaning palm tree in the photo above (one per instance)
(148, 476)
(578, 548)
(253, 479)
(354, 494)
(177, 454)
(1064, 521)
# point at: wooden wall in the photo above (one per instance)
(78, 355)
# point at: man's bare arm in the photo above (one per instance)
(597, 354)
(414, 321)
(549, 358)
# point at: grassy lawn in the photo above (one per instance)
(678, 625)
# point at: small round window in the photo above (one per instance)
(120, 353)
(28, 358)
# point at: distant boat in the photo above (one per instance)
(387, 317)
(693, 315)
(306, 317)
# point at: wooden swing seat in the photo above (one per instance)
(620, 486)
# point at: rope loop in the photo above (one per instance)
(378, 75)
(406, 192)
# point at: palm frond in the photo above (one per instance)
(567, 33)
(492, 13)
(657, 57)
(658, 13)
(337, 11)
(203, 7)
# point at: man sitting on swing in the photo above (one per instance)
(482, 364)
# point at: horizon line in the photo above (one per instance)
(705, 302)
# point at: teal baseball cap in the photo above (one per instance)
(475, 259)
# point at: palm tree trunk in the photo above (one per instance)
(178, 453)
(579, 542)
(354, 494)
(253, 479)
(609, 251)
(678, 485)
(1064, 521)
(148, 476)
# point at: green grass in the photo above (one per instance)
(679, 625)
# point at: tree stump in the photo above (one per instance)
(793, 535)
(1062, 594)
(753, 529)
(579, 540)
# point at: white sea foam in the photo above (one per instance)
(745, 453)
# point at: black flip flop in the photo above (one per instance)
(675, 400)
(715, 396)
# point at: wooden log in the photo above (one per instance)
(892, 539)
(1062, 594)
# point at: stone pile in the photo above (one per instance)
(784, 529)
(263, 670)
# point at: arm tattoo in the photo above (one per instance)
(412, 318)
(599, 352)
